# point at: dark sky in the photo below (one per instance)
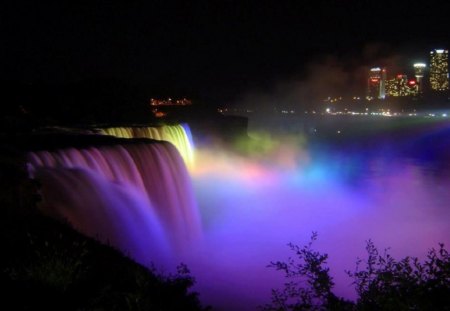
(210, 48)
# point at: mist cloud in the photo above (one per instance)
(327, 76)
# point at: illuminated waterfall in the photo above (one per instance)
(136, 196)
(179, 135)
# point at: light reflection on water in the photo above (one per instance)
(394, 193)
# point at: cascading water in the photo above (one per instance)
(136, 196)
(179, 135)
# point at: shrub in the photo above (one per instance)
(310, 285)
(381, 282)
(408, 284)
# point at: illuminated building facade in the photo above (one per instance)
(413, 88)
(419, 72)
(158, 105)
(439, 70)
(400, 86)
(382, 94)
(376, 85)
(170, 102)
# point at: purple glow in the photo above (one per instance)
(137, 197)
(140, 197)
(253, 207)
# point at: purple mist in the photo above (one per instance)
(253, 206)
(234, 214)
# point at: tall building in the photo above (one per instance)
(419, 72)
(376, 85)
(400, 86)
(439, 70)
(382, 94)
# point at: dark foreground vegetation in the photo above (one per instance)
(45, 265)
(381, 282)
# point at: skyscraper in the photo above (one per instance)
(439, 70)
(382, 94)
(376, 85)
(419, 71)
(400, 86)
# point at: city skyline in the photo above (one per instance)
(431, 76)
(207, 50)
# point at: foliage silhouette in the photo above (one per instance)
(408, 284)
(309, 286)
(381, 282)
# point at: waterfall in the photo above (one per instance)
(136, 196)
(179, 135)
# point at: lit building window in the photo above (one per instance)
(439, 70)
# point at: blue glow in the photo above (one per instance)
(391, 189)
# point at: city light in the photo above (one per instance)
(381, 87)
(439, 70)
(170, 102)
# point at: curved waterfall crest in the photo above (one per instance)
(179, 135)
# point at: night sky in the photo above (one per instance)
(214, 50)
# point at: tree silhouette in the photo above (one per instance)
(381, 282)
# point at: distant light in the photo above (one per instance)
(399, 76)
(375, 69)
(419, 65)
(444, 115)
(328, 110)
(439, 51)
(374, 80)
(411, 82)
